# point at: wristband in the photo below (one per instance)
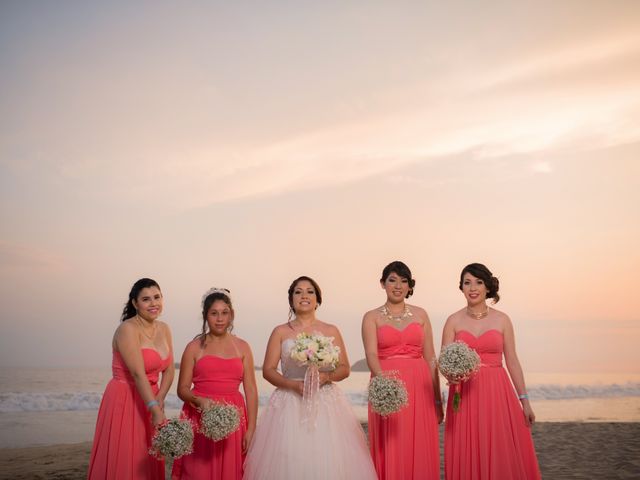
(152, 403)
(524, 396)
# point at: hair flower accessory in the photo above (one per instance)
(212, 290)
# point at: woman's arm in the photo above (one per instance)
(515, 370)
(448, 332)
(251, 394)
(127, 343)
(370, 342)
(169, 374)
(429, 354)
(270, 365)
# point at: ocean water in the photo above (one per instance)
(59, 405)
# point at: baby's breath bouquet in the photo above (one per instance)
(219, 421)
(387, 394)
(315, 349)
(458, 363)
(173, 438)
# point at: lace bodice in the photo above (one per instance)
(290, 368)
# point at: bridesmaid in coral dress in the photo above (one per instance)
(398, 338)
(133, 403)
(489, 437)
(215, 363)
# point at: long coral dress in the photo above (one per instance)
(123, 429)
(487, 438)
(405, 445)
(216, 378)
(287, 445)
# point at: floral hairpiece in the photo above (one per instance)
(211, 291)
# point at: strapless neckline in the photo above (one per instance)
(397, 329)
(156, 352)
(218, 356)
(481, 335)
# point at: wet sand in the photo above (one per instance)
(566, 450)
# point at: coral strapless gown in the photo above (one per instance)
(487, 438)
(216, 378)
(123, 430)
(405, 445)
(286, 448)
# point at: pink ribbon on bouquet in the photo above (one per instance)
(310, 395)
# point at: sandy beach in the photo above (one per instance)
(565, 450)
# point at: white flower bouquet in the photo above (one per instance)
(219, 421)
(173, 438)
(458, 363)
(387, 394)
(315, 349)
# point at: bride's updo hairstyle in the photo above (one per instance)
(400, 269)
(129, 310)
(478, 270)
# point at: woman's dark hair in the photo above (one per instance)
(400, 269)
(209, 300)
(478, 270)
(292, 287)
(129, 310)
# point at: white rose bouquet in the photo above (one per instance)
(387, 394)
(219, 421)
(173, 438)
(458, 363)
(315, 349)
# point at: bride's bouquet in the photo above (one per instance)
(458, 363)
(387, 394)
(173, 438)
(315, 350)
(219, 421)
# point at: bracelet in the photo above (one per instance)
(524, 396)
(438, 402)
(152, 403)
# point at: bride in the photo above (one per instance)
(295, 437)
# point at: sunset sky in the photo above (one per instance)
(241, 144)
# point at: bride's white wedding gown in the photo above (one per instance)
(287, 447)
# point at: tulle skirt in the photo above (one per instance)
(286, 447)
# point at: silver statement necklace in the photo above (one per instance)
(397, 319)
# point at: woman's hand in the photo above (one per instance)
(298, 387)
(157, 416)
(529, 416)
(325, 378)
(202, 403)
(160, 403)
(246, 440)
